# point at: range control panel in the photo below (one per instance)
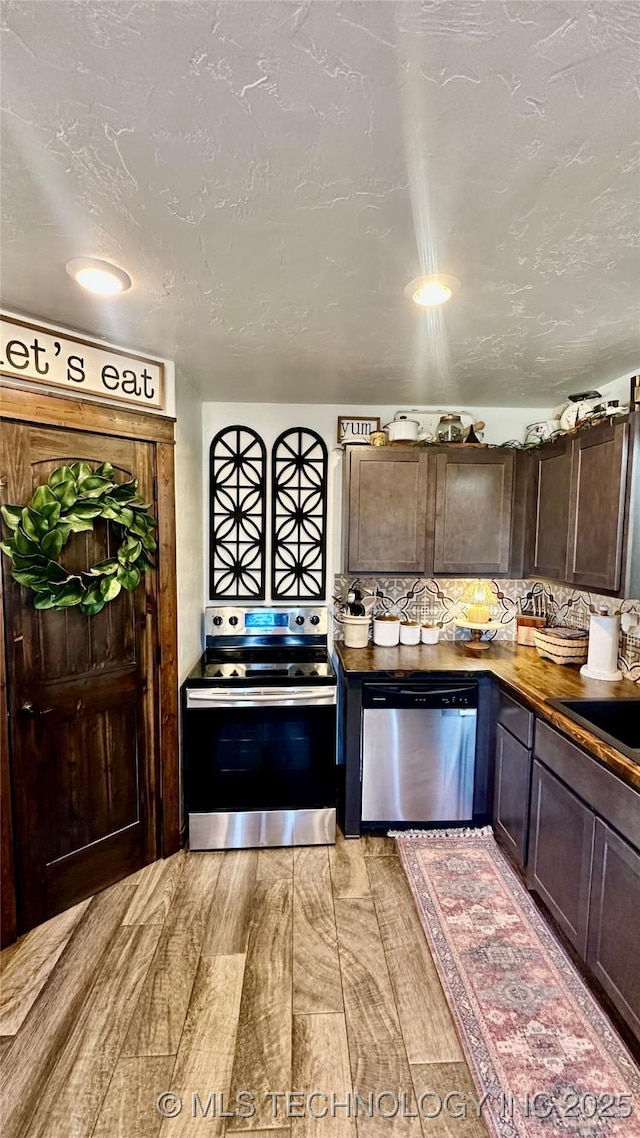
(312, 621)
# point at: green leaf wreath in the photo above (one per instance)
(70, 502)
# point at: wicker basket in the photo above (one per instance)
(562, 645)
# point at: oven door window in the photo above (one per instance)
(260, 759)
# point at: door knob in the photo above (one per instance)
(28, 709)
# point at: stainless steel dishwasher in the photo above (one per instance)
(418, 751)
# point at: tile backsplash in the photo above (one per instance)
(437, 601)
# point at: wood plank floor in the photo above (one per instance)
(228, 980)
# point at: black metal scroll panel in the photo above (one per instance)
(238, 574)
(238, 506)
(299, 516)
(299, 545)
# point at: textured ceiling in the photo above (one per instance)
(272, 174)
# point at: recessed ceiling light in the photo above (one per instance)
(429, 291)
(98, 276)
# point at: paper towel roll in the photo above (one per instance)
(602, 661)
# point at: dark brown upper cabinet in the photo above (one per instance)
(548, 521)
(388, 495)
(583, 526)
(431, 511)
(597, 507)
(474, 511)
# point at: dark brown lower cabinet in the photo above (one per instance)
(584, 862)
(560, 852)
(511, 794)
(614, 922)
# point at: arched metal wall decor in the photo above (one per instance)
(238, 465)
(299, 517)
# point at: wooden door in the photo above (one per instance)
(82, 700)
(596, 520)
(549, 520)
(614, 922)
(474, 510)
(560, 849)
(511, 794)
(388, 508)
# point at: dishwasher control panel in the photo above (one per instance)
(425, 695)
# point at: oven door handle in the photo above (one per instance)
(225, 697)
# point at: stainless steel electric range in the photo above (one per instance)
(259, 731)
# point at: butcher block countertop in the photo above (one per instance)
(521, 672)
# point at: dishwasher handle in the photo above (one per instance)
(425, 695)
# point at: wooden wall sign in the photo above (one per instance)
(59, 359)
(352, 425)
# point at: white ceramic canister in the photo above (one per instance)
(386, 631)
(430, 634)
(356, 631)
(409, 632)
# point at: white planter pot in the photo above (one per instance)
(356, 631)
(386, 633)
(430, 635)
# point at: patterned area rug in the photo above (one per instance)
(537, 1042)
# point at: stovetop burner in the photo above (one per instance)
(263, 665)
(239, 671)
(270, 656)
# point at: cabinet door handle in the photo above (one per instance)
(29, 709)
